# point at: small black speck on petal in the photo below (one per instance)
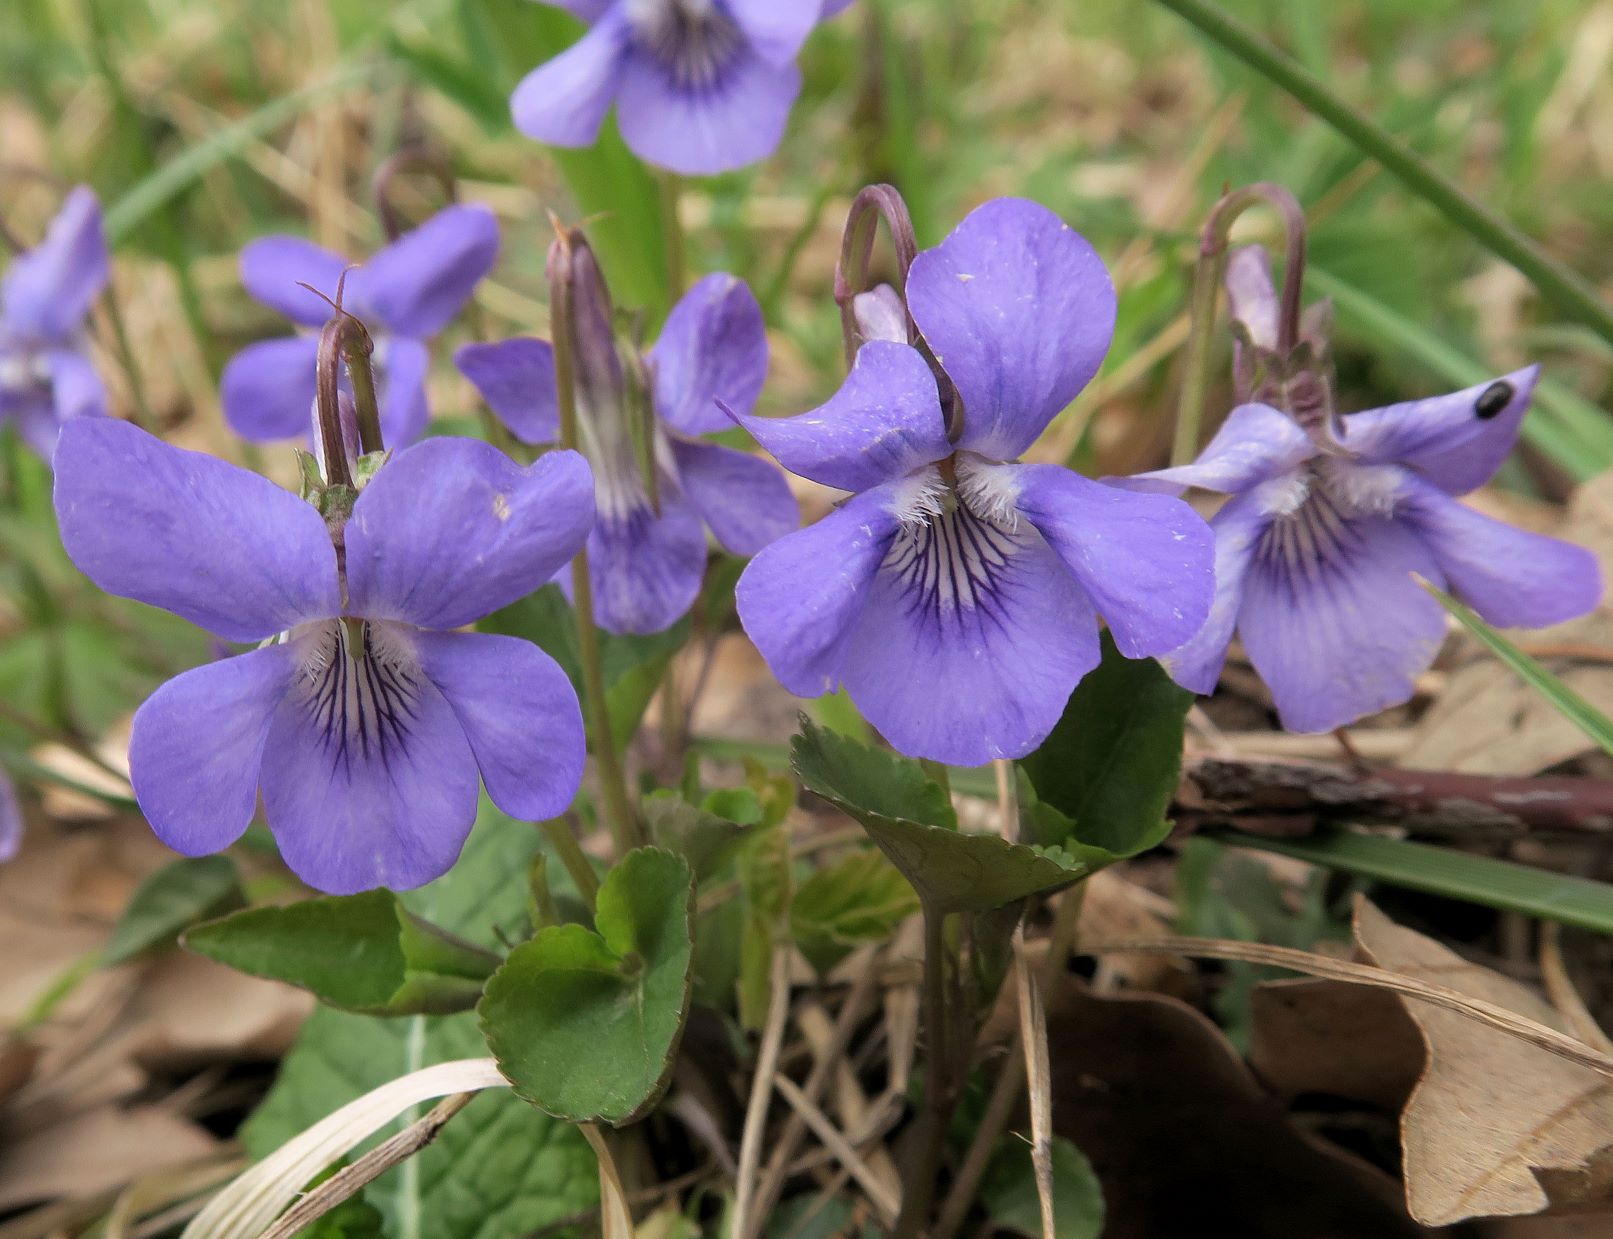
(1493, 399)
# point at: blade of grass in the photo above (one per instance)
(1596, 725)
(1566, 427)
(163, 184)
(1563, 287)
(1443, 871)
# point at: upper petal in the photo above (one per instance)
(1334, 621)
(800, 599)
(713, 347)
(368, 779)
(884, 422)
(450, 530)
(516, 378)
(520, 715)
(743, 499)
(197, 747)
(48, 290)
(1019, 310)
(222, 547)
(564, 101)
(1457, 441)
(972, 639)
(736, 118)
(1255, 443)
(415, 285)
(1146, 561)
(268, 388)
(401, 382)
(1512, 578)
(1238, 528)
(273, 269)
(775, 30)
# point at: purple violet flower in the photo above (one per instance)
(363, 716)
(1317, 546)
(647, 552)
(46, 376)
(956, 594)
(10, 819)
(700, 86)
(405, 294)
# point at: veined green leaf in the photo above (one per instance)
(586, 1025)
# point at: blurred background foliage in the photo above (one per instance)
(203, 124)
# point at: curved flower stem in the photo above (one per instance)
(618, 812)
(1559, 284)
(410, 159)
(872, 203)
(1206, 289)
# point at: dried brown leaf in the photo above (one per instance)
(1319, 1036)
(1495, 1127)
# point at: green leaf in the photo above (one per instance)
(704, 837)
(170, 900)
(858, 900)
(362, 953)
(1009, 1191)
(1562, 698)
(912, 820)
(501, 1169)
(586, 1025)
(1445, 871)
(1112, 762)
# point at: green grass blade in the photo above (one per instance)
(1444, 871)
(155, 191)
(1563, 287)
(1564, 425)
(1563, 699)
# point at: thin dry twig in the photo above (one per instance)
(1562, 992)
(835, 1141)
(350, 1180)
(750, 1141)
(1492, 1014)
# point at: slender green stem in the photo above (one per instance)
(618, 812)
(940, 1084)
(1564, 288)
(671, 187)
(143, 417)
(573, 858)
(1207, 277)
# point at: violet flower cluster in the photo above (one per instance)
(658, 484)
(405, 293)
(700, 86)
(956, 593)
(46, 375)
(363, 716)
(1332, 522)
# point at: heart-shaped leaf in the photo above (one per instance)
(1111, 764)
(912, 820)
(584, 1024)
(362, 953)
